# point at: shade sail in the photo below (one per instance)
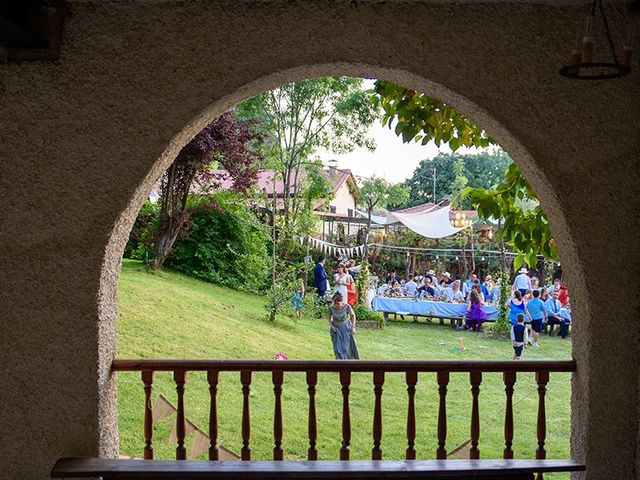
(431, 224)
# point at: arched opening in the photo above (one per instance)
(524, 160)
(83, 134)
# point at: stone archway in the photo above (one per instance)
(86, 135)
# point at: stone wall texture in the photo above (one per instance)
(83, 138)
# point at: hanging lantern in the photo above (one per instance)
(581, 66)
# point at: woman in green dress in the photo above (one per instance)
(342, 327)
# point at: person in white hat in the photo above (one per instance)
(522, 281)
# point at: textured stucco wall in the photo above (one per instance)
(82, 140)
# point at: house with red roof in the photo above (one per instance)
(337, 213)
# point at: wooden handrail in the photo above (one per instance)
(410, 368)
(167, 365)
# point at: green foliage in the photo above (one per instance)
(525, 227)
(287, 281)
(482, 170)
(142, 235)
(376, 192)
(364, 313)
(295, 120)
(421, 118)
(363, 280)
(226, 245)
(502, 324)
(460, 180)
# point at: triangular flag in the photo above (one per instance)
(199, 445)
(162, 409)
(188, 428)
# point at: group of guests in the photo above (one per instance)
(538, 306)
(343, 280)
(548, 304)
(442, 288)
(529, 303)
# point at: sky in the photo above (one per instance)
(393, 160)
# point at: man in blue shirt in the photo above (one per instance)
(554, 317)
(320, 277)
(538, 314)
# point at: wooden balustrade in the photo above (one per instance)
(411, 370)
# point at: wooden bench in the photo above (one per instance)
(317, 470)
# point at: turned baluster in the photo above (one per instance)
(378, 382)
(443, 381)
(180, 377)
(475, 379)
(212, 378)
(312, 380)
(411, 379)
(509, 380)
(147, 379)
(278, 378)
(345, 381)
(245, 379)
(542, 378)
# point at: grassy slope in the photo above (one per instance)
(167, 315)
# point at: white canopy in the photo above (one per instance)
(377, 219)
(430, 224)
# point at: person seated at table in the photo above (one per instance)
(432, 274)
(392, 276)
(475, 312)
(410, 288)
(446, 278)
(563, 296)
(383, 289)
(453, 293)
(554, 286)
(495, 294)
(554, 317)
(468, 284)
(535, 284)
(426, 290)
(395, 290)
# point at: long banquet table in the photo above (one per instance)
(427, 308)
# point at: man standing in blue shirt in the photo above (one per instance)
(538, 314)
(320, 277)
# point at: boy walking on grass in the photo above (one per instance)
(519, 337)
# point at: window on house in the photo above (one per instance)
(332, 209)
(350, 212)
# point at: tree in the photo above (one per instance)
(421, 118)
(525, 226)
(482, 170)
(376, 192)
(227, 141)
(298, 118)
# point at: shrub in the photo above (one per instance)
(226, 245)
(363, 313)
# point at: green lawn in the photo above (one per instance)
(168, 315)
